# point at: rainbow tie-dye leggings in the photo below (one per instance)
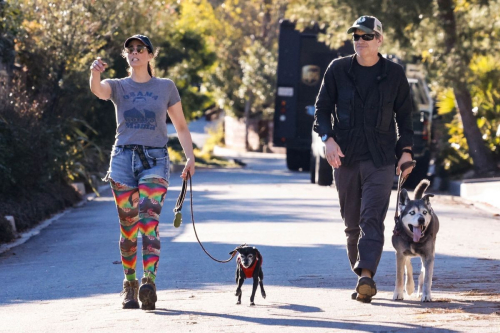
(139, 209)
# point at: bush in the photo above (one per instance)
(6, 232)
(454, 150)
(30, 206)
(35, 160)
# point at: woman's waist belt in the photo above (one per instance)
(140, 152)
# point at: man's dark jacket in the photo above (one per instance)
(338, 102)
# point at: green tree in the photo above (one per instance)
(9, 29)
(243, 35)
(187, 55)
(486, 109)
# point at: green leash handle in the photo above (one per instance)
(180, 202)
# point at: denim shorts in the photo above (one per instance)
(126, 167)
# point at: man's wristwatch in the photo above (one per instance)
(324, 137)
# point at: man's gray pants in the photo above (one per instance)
(364, 192)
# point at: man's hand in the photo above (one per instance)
(406, 157)
(333, 153)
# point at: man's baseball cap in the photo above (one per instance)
(143, 39)
(368, 24)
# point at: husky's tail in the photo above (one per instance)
(421, 187)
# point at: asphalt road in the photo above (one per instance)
(67, 277)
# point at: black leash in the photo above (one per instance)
(178, 216)
(401, 181)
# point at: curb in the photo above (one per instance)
(25, 236)
(467, 202)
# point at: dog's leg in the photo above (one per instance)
(410, 284)
(254, 288)
(239, 296)
(421, 278)
(240, 280)
(261, 283)
(400, 271)
(428, 263)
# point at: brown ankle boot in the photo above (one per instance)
(147, 294)
(130, 290)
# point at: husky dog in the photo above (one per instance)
(415, 235)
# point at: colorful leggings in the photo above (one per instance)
(139, 210)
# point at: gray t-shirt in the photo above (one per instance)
(141, 110)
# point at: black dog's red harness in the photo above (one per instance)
(249, 271)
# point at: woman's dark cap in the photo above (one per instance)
(143, 39)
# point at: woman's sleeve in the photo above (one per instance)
(174, 95)
(112, 83)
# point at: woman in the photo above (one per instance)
(139, 167)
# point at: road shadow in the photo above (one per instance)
(308, 322)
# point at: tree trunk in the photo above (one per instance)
(248, 108)
(266, 19)
(481, 156)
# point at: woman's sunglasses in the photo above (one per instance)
(356, 37)
(139, 48)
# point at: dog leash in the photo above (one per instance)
(401, 181)
(178, 216)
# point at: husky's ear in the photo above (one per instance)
(426, 199)
(403, 198)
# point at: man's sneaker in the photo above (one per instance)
(366, 289)
(130, 291)
(147, 294)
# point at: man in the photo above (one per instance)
(364, 117)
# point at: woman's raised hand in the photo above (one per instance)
(98, 65)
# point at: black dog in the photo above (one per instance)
(249, 265)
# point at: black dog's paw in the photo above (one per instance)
(263, 295)
(238, 292)
(252, 303)
(238, 302)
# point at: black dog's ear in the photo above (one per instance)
(238, 248)
(403, 197)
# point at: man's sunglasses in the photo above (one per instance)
(356, 37)
(139, 48)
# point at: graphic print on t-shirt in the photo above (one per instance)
(138, 117)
